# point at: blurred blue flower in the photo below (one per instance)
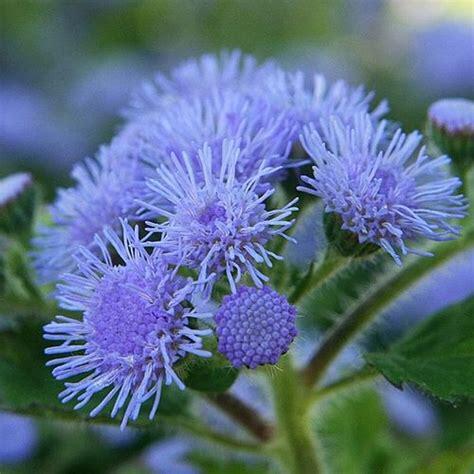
(31, 130)
(441, 60)
(409, 410)
(214, 223)
(19, 438)
(168, 457)
(135, 326)
(386, 195)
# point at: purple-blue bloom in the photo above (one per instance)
(187, 124)
(106, 190)
(214, 223)
(453, 115)
(135, 326)
(386, 194)
(199, 76)
(319, 101)
(255, 326)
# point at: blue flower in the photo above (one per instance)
(197, 77)
(105, 191)
(386, 195)
(455, 116)
(213, 222)
(187, 124)
(135, 326)
(319, 101)
(255, 326)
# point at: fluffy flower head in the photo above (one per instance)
(135, 327)
(255, 326)
(105, 191)
(214, 223)
(386, 195)
(187, 124)
(198, 76)
(319, 101)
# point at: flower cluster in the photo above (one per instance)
(384, 194)
(200, 168)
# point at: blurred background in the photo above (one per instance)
(66, 71)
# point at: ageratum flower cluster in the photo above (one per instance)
(182, 206)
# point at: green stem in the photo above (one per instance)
(366, 374)
(360, 315)
(246, 416)
(315, 277)
(297, 449)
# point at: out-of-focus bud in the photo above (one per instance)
(17, 204)
(451, 128)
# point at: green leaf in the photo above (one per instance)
(16, 279)
(214, 374)
(438, 355)
(354, 434)
(452, 462)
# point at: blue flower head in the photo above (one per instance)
(135, 326)
(453, 115)
(105, 191)
(319, 101)
(187, 124)
(255, 326)
(197, 77)
(385, 195)
(213, 222)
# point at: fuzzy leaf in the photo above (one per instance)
(438, 355)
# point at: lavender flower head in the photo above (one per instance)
(320, 100)
(197, 77)
(453, 115)
(214, 223)
(255, 326)
(135, 327)
(105, 191)
(187, 124)
(386, 195)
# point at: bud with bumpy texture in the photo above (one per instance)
(255, 326)
(451, 127)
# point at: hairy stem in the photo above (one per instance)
(315, 277)
(246, 416)
(363, 375)
(297, 451)
(359, 316)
